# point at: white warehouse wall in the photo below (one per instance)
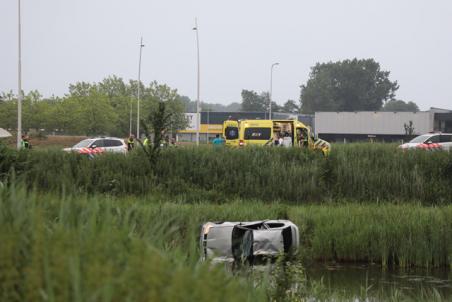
(369, 122)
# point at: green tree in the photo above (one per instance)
(159, 122)
(399, 105)
(157, 93)
(92, 113)
(349, 85)
(290, 106)
(92, 108)
(251, 101)
(120, 98)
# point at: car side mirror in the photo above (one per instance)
(429, 142)
(93, 146)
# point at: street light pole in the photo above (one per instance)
(271, 87)
(198, 119)
(139, 88)
(19, 95)
(130, 116)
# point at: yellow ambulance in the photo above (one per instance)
(278, 133)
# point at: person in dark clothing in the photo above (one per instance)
(131, 142)
(25, 142)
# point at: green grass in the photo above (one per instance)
(118, 229)
(89, 249)
(359, 172)
(79, 248)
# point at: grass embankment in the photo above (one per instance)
(358, 172)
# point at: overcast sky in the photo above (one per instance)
(65, 41)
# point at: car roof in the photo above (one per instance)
(104, 137)
(435, 133)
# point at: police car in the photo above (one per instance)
(99, 145)
(430, 141)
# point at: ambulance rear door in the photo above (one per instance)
(231, 133)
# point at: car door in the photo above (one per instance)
(114, 145)
(434, 139)
(98, 143)
(231, 133)
(302, 137)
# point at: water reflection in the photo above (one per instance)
(353, 280)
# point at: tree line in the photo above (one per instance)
(101, 108)
(348, 85)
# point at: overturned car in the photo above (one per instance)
(248, 242)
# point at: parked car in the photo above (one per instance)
(99, 145)
(248, 242)
(430, 141)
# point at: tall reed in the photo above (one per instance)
(361, 172)
(89, 249)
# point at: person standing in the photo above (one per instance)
(146, 141)
(131, 142)
(217, 141)
(287, 140)
(25, 142)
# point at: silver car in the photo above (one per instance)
(252, 242)
(430, 141)
(99, 145)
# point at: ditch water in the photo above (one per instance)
(374, 283)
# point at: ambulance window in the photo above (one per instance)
(257, 133)
(231, 133)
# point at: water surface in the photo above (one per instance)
(373, 281)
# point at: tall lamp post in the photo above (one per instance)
(139, 88)
(19, 94)
(130, 115)
(271, 87)
(198, 121)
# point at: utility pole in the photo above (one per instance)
(130, 116)
(198, 118)
(139, 88)
(19, 94)
(271, 87)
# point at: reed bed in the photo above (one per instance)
(103, 248)
(359, 172)
(98, 249)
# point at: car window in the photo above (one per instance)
(108, 143)
(434, 139)
(419, 139)
(112, 143)
(445, 138)
(98, 143)
(83, 144)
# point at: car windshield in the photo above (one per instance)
(419, 139)
(83, 144)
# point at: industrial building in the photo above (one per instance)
(380, 126)
(212, 122)
(334, 126)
